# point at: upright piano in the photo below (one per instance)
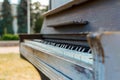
(79, 40)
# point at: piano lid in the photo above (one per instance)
(60, 5)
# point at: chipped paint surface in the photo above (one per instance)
(87, 73)
(94, 41)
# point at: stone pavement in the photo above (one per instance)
(9, 43)
(12, 49)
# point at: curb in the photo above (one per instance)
(8, 43)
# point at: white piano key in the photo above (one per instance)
(80, 49)
(61, 46)
(76, 48)
(65, 46)
(58, 45)
(72, 48)
(83, 50)
(89, 50)
(69, 47)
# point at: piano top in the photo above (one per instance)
(83, 16)
(63, 7)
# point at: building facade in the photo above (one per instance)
(14, 14)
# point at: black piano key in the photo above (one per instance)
(79, 48)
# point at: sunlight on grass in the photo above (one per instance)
(12, 67)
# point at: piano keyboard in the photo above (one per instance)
(76, 52)
(74, 47)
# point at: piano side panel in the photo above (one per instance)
(102, 15)
(106, 49)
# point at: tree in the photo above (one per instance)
(39, 20)
(7, 17)
(35, 13)
(36, 16)
(22, 16)
(38, 24)
(1, 28)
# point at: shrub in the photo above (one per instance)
(9, 37)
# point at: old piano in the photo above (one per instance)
(79, 40)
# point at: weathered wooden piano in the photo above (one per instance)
(79, 40)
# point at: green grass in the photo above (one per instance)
(12, 67)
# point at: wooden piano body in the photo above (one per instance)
(79, 40)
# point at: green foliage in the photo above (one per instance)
(7, 17)
(9, 37)
(38, 25)
(44, 10)
(36, 19)
(22, 16)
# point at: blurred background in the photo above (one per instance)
(18, 17)
(21, 16)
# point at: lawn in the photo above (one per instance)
(12, 67)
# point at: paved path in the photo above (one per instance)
(5, 50)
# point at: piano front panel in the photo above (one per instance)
(77, 65)
(63, 56)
